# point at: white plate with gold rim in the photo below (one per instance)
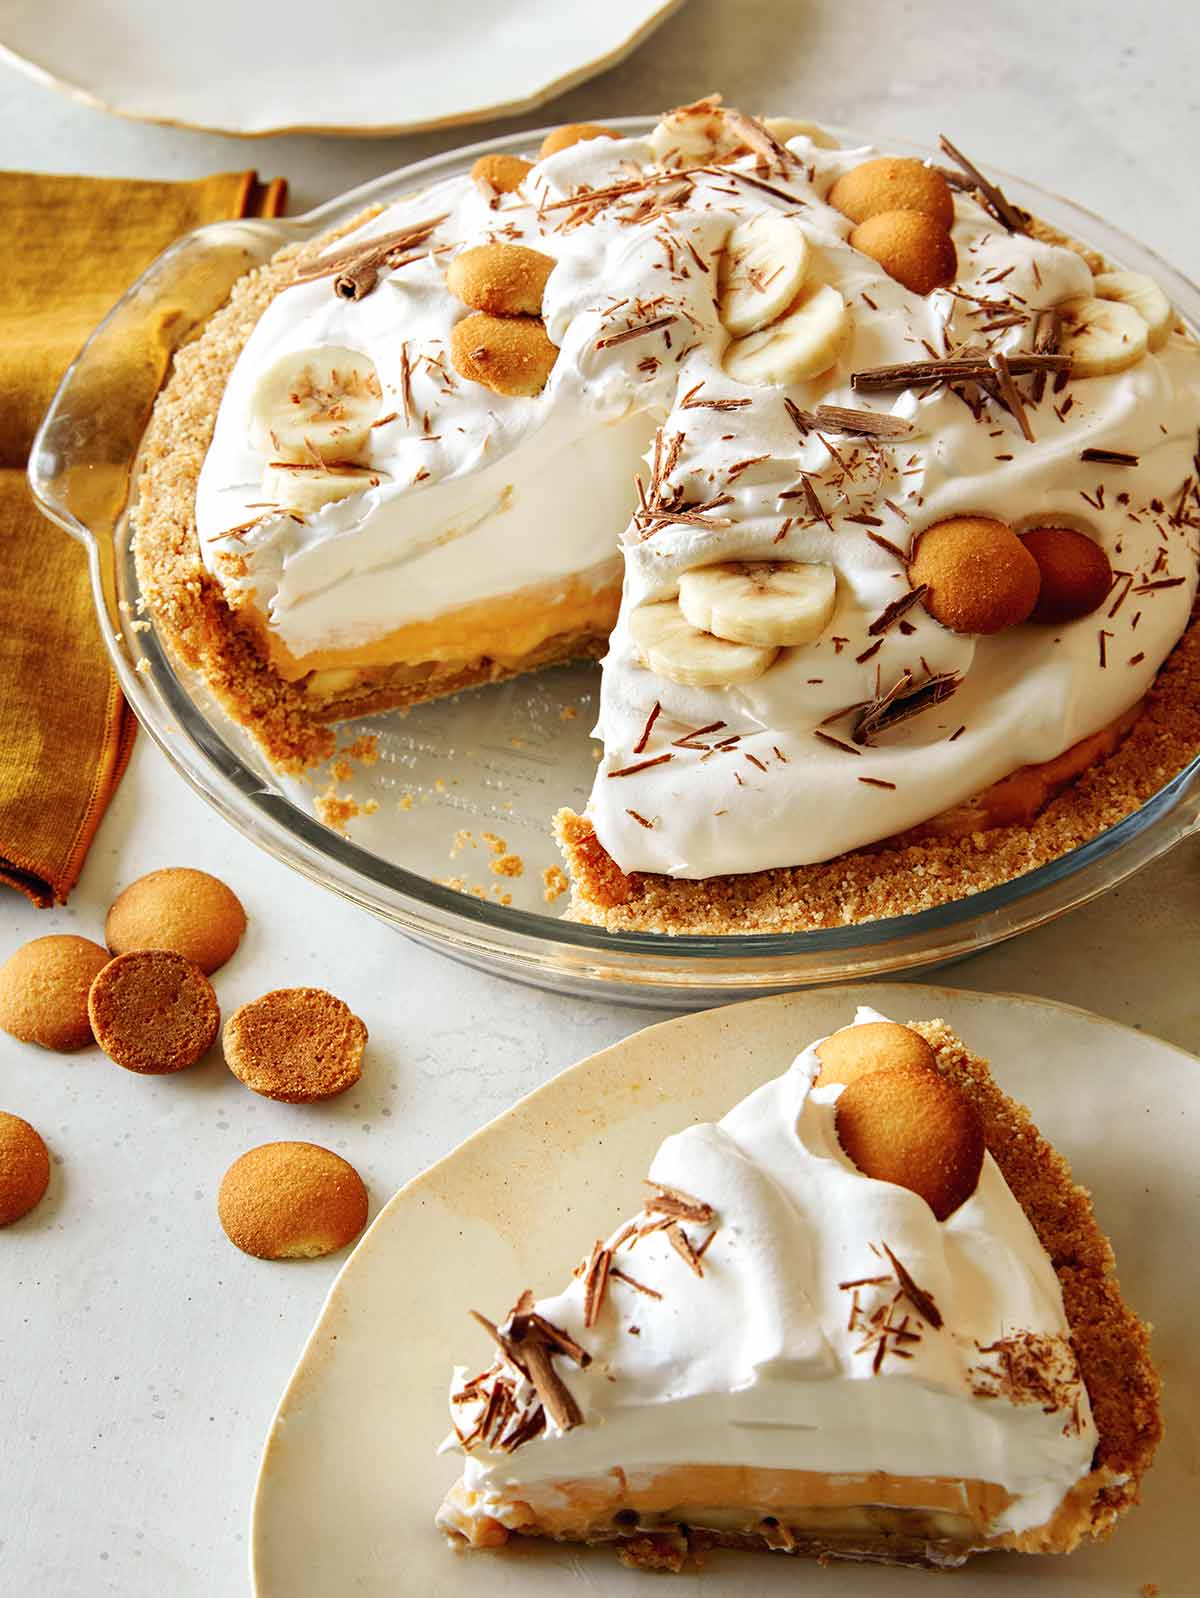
(353, 67)
(350, 1480)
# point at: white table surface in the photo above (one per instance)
(141, 1356)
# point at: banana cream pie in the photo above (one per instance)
(868, 1315)
(899, 484)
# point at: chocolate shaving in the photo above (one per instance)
(920, 1300)
(651, 326)
(1161, 582)
(905, 698)
(827, 738)
(650, 720)
(1109, 457)
(355, 271)
(871, 424)
(594, 1282)
(803, 423)
(690, 402)
(641, 765)
(896, 609)
(886, 543)
(681, 1243)
(991, 197)
(562, 1342)
(971, 368)
(1008, 391)
(615, 1274)
(551, 1389)
(682, 1204)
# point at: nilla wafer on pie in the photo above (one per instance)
(1076, 574)
(872, 1046)
(291, 1201)
(910, 246)
(44, 991)
(24, 1168)
(181, 909)
(505, 173)
(505, 279)
(893, 183)
(296, 1045)
(508, 354)
(980, 576)
(153, 1012)
(572, 133)
(916, 1129)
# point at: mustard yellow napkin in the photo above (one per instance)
(70, 246)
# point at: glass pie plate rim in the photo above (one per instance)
(82, 463)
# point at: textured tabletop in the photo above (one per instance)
(141, 1356)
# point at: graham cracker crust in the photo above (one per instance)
(1110, 1342)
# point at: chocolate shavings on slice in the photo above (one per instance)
(872, 424)
(971, 368)
(991, 197)
(906, 697)
(896, 609)
(920, 1300)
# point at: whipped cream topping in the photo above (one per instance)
(486, 493)
(768, 1359)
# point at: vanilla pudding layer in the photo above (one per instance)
(486, 501)
(759, 1385)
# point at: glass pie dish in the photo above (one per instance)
(449, 839)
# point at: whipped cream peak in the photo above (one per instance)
(774, 1307)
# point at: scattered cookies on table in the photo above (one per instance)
(296, 1045)
(916, 1129)
(979, 575)
(288, 1201)
(1076, 573)
(24, 1168)
(893, 184)
(873, 1046)
(178, 908)
(572, 133)
(508, 354)
(503, 279)
(505, 173)
(910, 246)
(153, 1012)
(44, 991)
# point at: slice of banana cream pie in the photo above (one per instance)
(900, 485)
(868, 1315)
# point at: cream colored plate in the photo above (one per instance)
(350, 66)
(350, 1482)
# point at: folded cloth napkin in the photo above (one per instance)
(71, 246)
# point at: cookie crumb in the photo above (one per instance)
(554, 883)
(568, 713)
(508, 865)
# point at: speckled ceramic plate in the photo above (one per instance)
(355, 67)
(350, 1481)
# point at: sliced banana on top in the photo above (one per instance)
(1146, 298)
(804, 342)
(1101, 336)
(318, 401)
(772, 603)
(668, 644)
(763, 267)
(694, 135)
(307, 488)
(785, 128)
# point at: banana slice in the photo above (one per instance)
(785, 128)
(321, 400)
(765, 602)
(1146, 298)
(668, 644)
(693, 136)
(1101, 336)
(763, 267)
(801, 344)
(307, 488)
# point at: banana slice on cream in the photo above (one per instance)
(763, 268)
(804, 342)
(315, 402)
(1101, 336)
(668, 644)
(1146, 298)
(785, 128)
(305, 487)
(765, 602)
